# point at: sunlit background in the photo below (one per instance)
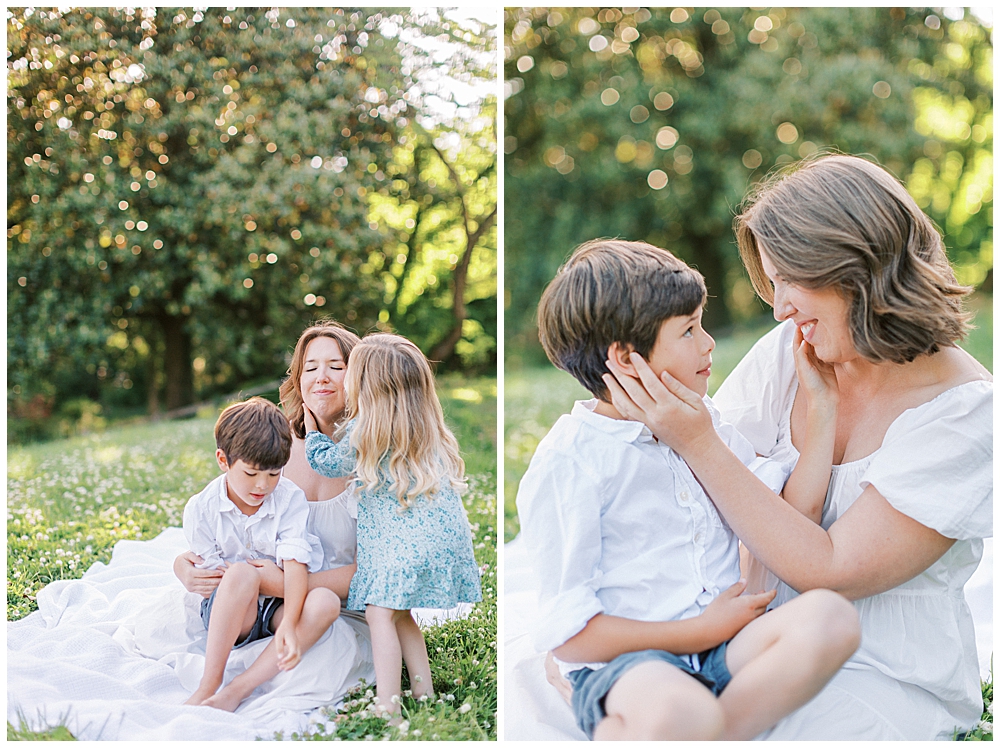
(652, 124)
(188, 189)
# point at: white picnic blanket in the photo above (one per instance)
(533, 710)
(114, 655)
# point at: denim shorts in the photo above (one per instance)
(266, 608)
(591, 687)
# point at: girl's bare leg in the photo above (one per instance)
(782, 659)
(320, 610)
(414, 649)
(233, 615)
(657, 701)
(387, 655)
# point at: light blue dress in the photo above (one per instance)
(415, 557)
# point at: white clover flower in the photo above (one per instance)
(465, 708)
(423, 697)
(986, 727)
(403, 726)
(418, 679)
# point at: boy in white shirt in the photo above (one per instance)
(639, 575)
(251, 512)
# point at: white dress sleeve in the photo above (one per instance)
(936, 463)
(756, 395)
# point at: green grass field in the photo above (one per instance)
(70, 501)
(535, 397)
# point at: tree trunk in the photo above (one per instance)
(177, 362)
(446, 348)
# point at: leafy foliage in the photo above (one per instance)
(190, 188)
(652, 124)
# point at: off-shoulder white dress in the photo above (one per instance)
(915, 675)
(335, 522)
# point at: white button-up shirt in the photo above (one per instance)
(219, 532)
(617, 523)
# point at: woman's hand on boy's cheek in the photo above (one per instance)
(272, 578)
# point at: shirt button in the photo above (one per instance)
(697, 537)
(685, 496)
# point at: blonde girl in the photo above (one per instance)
(414, 541)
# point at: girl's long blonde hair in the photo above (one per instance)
(400, 434)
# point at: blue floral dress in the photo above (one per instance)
(415, 557)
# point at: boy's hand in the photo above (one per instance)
(272, 578)
(308, 419)
(287, 647)
(816, 378)
(727, 614)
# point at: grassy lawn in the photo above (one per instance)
(535, 397)
(70, 501)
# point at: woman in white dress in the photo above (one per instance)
(841, 251)
(315, 377)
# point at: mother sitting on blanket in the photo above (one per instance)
(841, 251)
(316, 378)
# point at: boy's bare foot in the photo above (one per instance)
(227, 699)
(199, 697)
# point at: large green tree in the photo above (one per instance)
(189, 188)
(652, 124)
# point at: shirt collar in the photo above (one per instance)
(226, 505)
(628, 431)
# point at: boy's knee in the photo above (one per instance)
(240, 576)
(693, 715)
(834, 621)
(324, 603)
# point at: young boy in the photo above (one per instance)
(640, 578)
(251, 512)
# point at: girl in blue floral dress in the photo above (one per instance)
(414, 541)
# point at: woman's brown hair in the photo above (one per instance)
(290, 392)
(843, 222)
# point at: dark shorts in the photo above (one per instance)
(266, 608)
(591, 687)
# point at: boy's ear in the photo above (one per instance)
(620, 353)
(220, 457)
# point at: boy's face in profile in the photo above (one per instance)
(247, 487)
(684, 349)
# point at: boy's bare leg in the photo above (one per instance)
(233, 615)
(387, 655)
(657, 701)
(414, 649)
(782, 659)
(320, 610)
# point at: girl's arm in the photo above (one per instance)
(807, 486)
(328, 458)
(285, 639)
(606, 637)
(871, 548)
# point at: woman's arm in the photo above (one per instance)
(338, 580)
(870, 549)
(200, 581)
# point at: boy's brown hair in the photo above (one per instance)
(256, 432)
(612, 291)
